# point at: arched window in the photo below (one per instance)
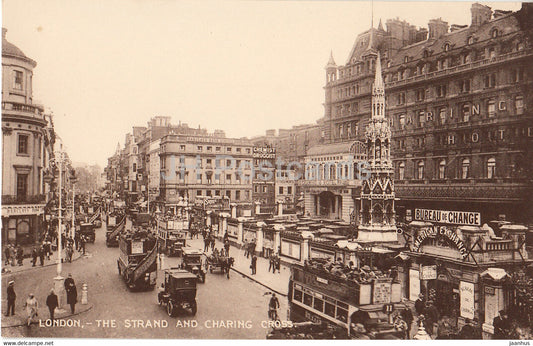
(420, 170)
(470, 40)
(465, 168)
(447, 47)
(406, 58)
(442, 169)
(491, 168)
(494, 33)
(401, 171)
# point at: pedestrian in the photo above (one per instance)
(34, 255)
(20, 256)
(226, 246)
(432, 317)
(502, 326)
(401, 326)
(11, 297)
(32, 307)
(212, 237)
(77, 241)
(52, 303)
(72, 297)
(272, 264)
(226, 237)
(254, 264)
(69, 280)
(277, 261)
(245, 245)
(252, 247)
(407, 316)
(7, 254)
(207, 241)
(419, 304)
(70, 251)
(41, 254)
(82, 244)
(47, 248)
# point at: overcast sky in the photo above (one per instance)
(240, 66)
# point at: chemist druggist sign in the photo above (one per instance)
(449, 217)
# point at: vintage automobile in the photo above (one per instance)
(192, 262)
(178, 292)
(87, 230)
(176, 242)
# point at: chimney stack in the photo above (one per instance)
(481, 14)
(437, 28)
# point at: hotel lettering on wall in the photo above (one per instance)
(449, 217)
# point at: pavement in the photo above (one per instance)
(41, 292)
(277, 282)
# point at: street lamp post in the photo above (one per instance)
(58, 280)
(73, 180)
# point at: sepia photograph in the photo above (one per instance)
(266, 170)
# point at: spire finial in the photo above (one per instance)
(372, 18)
(380, 26)
(378, 80)
(331, 62)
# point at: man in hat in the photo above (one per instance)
(501, 326)
(419, 304)
(11, 297)
(52, 303)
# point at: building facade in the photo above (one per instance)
(196, 166)
(26, 149)
(460, 106)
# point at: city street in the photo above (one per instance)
(219, 302)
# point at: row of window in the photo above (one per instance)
(236, 195)
(200, 148)
(282, 190)
(442, 171)
(322, 304)
(466, 111)
(515, 75)
(202, 163)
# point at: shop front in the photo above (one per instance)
(22, 224)
(448, 260)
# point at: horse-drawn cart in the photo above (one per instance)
(221, 264)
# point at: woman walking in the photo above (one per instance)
(31, 308)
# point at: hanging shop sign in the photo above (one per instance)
(442, 231)
(449, 217)
(428, 272)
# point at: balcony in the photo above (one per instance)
(14, 199)
(461, 68)
(23, 109)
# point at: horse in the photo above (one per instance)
(226, 264)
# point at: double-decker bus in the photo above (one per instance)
(332, 298)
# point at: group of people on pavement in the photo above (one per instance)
(32, 304)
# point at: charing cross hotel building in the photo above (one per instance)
(459, 100)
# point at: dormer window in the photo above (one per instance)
(494, 33)
(406, 59)
(470, 40)
(447, 47)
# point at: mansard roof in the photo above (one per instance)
(505, 25)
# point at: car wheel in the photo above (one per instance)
(170, 309)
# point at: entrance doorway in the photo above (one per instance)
(329, 205)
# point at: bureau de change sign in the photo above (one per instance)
(449, 217)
